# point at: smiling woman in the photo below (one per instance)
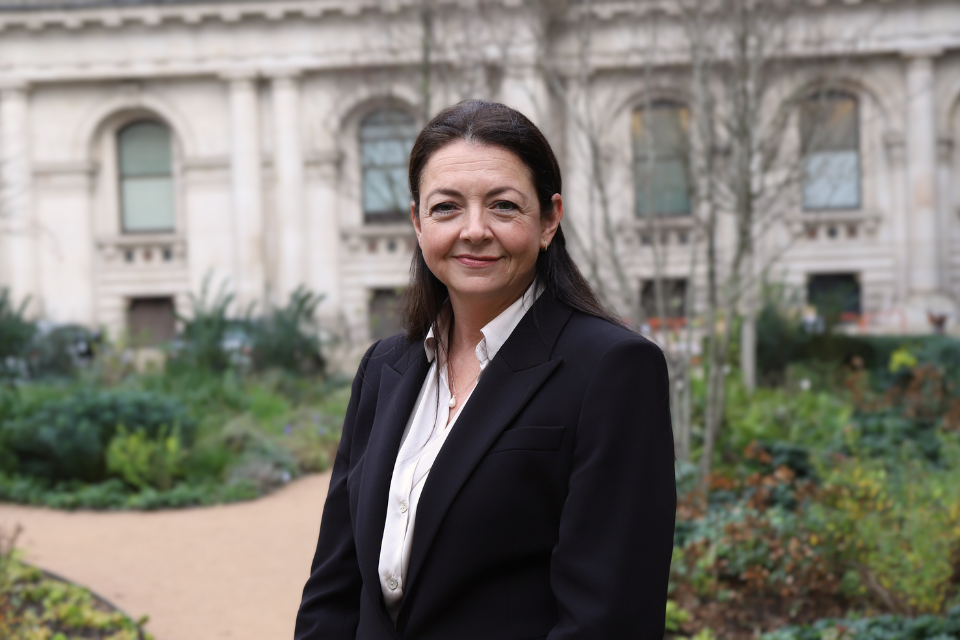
(506, 466)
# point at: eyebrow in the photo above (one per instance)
(454, 193)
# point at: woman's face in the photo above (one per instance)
(480, 228)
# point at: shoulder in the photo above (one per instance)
(593, 338)
(394, 351)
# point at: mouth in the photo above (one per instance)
(476, 261)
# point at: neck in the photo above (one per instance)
(474, 314)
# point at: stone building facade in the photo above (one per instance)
(150, 146)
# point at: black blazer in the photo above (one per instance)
(548, 513)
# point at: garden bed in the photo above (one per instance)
(36, 605)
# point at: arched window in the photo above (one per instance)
(146, 177)
(660, 145)
(830, 140)
(386, 138)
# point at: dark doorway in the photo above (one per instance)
(835, 295)
(674, 297)
(385, 310)
(151, 321)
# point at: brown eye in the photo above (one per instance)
(443, 208)
(504, 205)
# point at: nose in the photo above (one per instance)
(475, 229)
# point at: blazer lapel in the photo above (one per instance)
(510, 381)
(399, 388)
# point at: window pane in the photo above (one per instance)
(832, 180)
(386, 138)
(145, 150)
(147, 204)
(661, 181)
(830, 138)
(385, 191)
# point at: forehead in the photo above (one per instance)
(476, 162)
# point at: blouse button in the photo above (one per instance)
(403, 507)
(392, 584)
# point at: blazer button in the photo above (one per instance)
(392, 584)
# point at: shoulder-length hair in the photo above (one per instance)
(494, 124)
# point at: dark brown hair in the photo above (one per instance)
(494, 124)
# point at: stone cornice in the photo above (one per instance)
(37, 15)
(114, 15)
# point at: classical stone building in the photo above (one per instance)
(148, 146)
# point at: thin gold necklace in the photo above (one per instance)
(453, 398)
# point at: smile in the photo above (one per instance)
(476, 261)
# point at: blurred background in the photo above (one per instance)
(204, 222)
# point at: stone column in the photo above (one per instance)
(323, 222)
(946, 200)
(17, 219)
(923, 240)
(247, 191)
(899, 218)
(288, 166)
(525, 89)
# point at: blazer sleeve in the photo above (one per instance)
(611, 565)
(330, 607)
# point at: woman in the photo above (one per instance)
(506, 468)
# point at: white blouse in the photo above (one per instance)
(425, 433)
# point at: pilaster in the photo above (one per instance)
(247, 188)
(288, 163)
(17, 219)
(921, 166)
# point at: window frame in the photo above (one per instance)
(170, 175)
(401, 214)
(680, 155)
(820, 97)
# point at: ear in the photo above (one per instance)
(415, 219)
(550, 224)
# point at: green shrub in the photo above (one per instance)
(16, 334)
(882, 434)
(812, 419)
(287, 338)
(144, 462)
(895, 528)
(67, 439)
(888, 627)
(203, 341)
(260, 461)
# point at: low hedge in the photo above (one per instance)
(888, 627)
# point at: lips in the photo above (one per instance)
(476, 261)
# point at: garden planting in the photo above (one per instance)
(832, 511)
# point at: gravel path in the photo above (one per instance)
(233, 571)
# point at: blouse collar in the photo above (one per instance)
(495, 332)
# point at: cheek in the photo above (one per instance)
(521, 239)
(435, 240)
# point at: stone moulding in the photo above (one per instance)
(37, 15)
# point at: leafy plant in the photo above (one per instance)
(287, 337)
(67, 438)
(887, 627)
(36, 607)
(144, 462)
(896, 528)
(203, 341)
(16, 333)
